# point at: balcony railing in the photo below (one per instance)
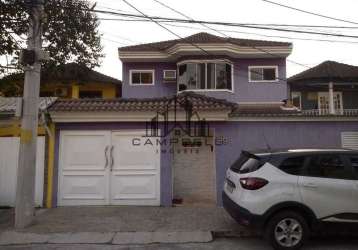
(325, 112)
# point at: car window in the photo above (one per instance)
(293, 165)
(354, 163)
(327, 166)
(246, 164)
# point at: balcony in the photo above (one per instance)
(326, 112)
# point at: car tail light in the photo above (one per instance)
(252, 183)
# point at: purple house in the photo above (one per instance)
(189, 107)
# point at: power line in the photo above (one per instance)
(159, 19)
(263, 35)
(255, 24)
(309, 12)
(222, 33)
(159, 24)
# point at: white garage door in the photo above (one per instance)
(350, 140)
(105, 168)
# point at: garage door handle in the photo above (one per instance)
(105, 156)
(112, 160)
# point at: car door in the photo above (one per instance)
(353, 160)
(326, 186)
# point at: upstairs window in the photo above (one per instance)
(263, 73)
(296, 99)
(205, 76)
(90, 94)
(141, 77)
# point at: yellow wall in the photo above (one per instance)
(14, 129)
(73, 90)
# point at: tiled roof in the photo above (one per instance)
(199, 102)
(264, 109)
(8, 104)
(328, 71)
(67, 73)
(200, 38)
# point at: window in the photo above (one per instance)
(46, 93)
(169, 74)
(90, 94)
(263, 73)
(327, 166)
(293, 165)
(205, 76)
(141, 77)
(296, 99)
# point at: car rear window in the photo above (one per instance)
(247, 163)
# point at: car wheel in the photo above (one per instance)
(287, 230)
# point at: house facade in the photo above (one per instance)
(328, 88)
(188, 108)
(70, 80)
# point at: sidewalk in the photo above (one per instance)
(122, 225)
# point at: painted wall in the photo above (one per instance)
(109, 90)
(251, 135)
(239, 136)
(243, 91)
(159, 89)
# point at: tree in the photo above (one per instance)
(70, 32)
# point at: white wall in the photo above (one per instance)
(9, 153)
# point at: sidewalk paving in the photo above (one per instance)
(121, 225)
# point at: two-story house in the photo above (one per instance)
(188, 108)
(70, 80)
(330, 88)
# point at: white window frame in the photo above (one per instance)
(263, 67)
(131, 71)
(206, 75)
(299, 94)
(170, 78)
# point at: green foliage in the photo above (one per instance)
(70, 31)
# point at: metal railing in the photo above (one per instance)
(325, 112)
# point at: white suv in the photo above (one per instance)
(287, 193)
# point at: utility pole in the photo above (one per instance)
(30, 57)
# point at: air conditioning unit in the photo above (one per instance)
(61, 92)
(169, 74)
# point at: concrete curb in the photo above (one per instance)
(114, 238)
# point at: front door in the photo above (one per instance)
(323, 102)
(105, 168)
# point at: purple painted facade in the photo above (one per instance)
(243, 90)
(240, 135)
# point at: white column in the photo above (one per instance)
(331, 99)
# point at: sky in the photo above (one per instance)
(310, 53)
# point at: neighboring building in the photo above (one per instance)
(10, 132)
(330, 88)
(189, 107)
(71, 80)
